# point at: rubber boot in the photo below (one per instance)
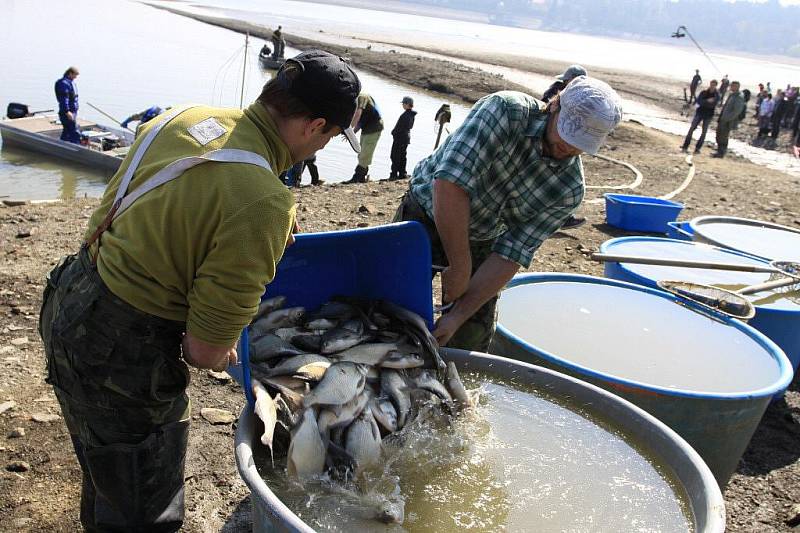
(314, 171)
(360, 175)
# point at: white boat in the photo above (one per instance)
(101, 146)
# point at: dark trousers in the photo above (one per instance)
(723, 132)
(121, 385)
(695, 121)
(476, 333)
(70, 131)
(399, 158)
(692, 92)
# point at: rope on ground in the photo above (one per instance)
(687, 180)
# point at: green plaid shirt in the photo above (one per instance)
(518, 197)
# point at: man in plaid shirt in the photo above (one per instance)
(502, 183)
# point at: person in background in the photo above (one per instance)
(401, 138)
(67, 96)
(764, 119)
(174, 280)
(367, 119)
(706, 105)
(693, 85)
(265, 50)
(729, 117)
(143, 116)
(497, 187)
(295, 174)
(746, 95)
(779, 107)
(723, 88)
(278, 44)
(760, 96)
(562, 80)
(791, 105)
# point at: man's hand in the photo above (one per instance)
(201, 354)
(446, 327)
(70, 115)
(455, 280)
(797, 151)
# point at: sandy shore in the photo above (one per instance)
(44, 496)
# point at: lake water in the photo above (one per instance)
(636, 336)
(520, 462)
(121, 74)
(123, 71)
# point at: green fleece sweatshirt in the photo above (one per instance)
(201, 248)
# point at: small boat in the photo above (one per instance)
(101, 146)
(269, 62)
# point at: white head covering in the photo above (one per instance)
(590, 110)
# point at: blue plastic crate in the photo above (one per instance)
(640, 213)
(391, 262)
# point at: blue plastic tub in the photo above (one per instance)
(681, 231)
(583, 322)
(777, 318)
(391, 262)
(640, 213)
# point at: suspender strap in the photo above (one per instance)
(179, 166)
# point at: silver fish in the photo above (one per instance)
(342, 382)
(363, 441)
(355, 325)
(270, 346)
(266, 409)
(269, 305)
(321, 323)
(344, 415)
(456, 386)
(292, 365)
(334, 311)
(429, 383)
(306, 455)
(402, 360)
(369, 354)
(339, 339)
(393, 385)
(287, 333)
(282, 318)
(292, 389)
(384, 413)
(417, 328)
(310, 343)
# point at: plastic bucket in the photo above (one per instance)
(705, 499)
(640, 213)
(632, 341)
(391, 262)
(776, 317)
(755, 237)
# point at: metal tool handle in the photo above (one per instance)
(683, 263)
(767, 285)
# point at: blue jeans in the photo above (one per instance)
(70, 132)
(695, 121)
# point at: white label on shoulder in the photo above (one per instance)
(206, 131)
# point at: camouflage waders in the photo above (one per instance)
(476, 333)
(119, 376)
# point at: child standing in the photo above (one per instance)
(401, 135)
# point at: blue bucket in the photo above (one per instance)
(626, 338)
(777, 318)
(391, 262)
(640, 213)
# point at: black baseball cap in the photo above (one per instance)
(328, 86)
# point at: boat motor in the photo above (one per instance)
(17, 110)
